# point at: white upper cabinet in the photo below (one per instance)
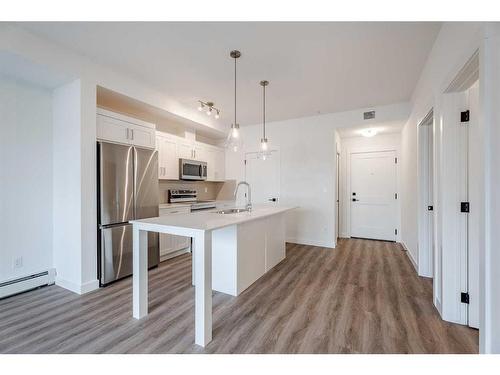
(118, 128)
(172, 148)
(168, 161)
(220, 165)
(185, 149)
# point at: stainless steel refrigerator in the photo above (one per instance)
(127, 189)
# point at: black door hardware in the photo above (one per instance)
(464, 207)
(355, 200)
(430, 208)
(273, 199)
(353, 193)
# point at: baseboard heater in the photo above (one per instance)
(25, 283)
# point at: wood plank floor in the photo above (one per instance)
(363, 297)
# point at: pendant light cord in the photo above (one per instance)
(264, 112)
(235, 92)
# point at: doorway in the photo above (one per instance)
(426, 206)
(263, 175)
(373, 195)
(462, 213)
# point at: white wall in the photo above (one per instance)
(378, 142)
(25, 179)
(50, 57)
(455, 43)
(489, 84)
(307, 148)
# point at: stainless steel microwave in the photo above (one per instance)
(192, 170)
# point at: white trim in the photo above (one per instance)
(425, 253)
(87, 287)
(408, 254)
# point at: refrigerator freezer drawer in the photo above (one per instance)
(116, 252)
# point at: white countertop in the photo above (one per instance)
(210, 220)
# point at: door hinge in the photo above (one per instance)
(245, 162)
(464, 116)
(396, 232)
(395, 195)
(464, 207)
(464, 297)
(395, 160)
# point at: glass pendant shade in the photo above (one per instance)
(233, 140)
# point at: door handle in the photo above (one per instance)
(355, 200)
(273, 199)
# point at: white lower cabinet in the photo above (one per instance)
(171, 245)
(243, 253)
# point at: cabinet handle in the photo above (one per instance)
(132, 131)
(127, 133)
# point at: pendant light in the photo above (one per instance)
(263, 140)
(264, 153)
(233, 140)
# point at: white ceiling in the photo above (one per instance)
(312, 67)
(381, 128)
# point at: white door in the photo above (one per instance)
(373, 195)
(263, 177)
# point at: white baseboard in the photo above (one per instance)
(410, 256)
(305, 241)
(87, 287)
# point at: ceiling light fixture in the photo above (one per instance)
(263, 140)
(368, 132)
(233, 140)
(210, 108)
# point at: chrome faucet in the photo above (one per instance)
(249, 195)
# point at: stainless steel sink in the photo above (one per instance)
(232, 211)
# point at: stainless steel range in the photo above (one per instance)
(190, 196)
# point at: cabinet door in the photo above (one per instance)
(200, 152)
(166, 244)
(171, 160)
(185, 150)
(220, 165)
(110, 129)
(160, 147)
(211, 167)
(142, 136)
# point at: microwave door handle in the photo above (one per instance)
(201, 171)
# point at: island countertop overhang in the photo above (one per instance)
(209, 220)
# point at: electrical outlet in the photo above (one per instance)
(18, 262)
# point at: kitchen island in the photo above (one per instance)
(245, 245)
